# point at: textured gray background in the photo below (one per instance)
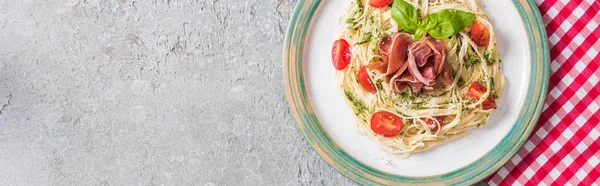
(149, 92)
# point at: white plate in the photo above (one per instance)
(329, 125)
(340, 123)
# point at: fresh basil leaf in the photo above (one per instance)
(420, 33)
(406, 15)
(448, 22)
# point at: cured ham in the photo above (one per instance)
(394, 50)
(420, 50)
(427, 63)
(400, 84)
(418, 65)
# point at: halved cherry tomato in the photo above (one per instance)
(341, 54)
(379, 3)
(480, 34)
(386, 124)
(489, 104)
(432, 125)
(365, 81)
(476, 90)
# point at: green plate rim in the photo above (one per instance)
(355, 170)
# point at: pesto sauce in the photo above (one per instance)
(404, 97)
(471, 60)
(460, 82)
(494, 94)
(358, 104)
(489, 58)
(367, 37)
(464, 110)
(379, 84)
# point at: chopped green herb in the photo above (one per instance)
(494, 94)
(366, 38)
(493, 87)
(418, 106)
(360, 4)
(489, 58)
(359, 105)
(464, 110)
(379, 84)
(460, 82)
(350, 21)
(471, 60)
(404, 97)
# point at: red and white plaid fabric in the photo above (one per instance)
(564, 147)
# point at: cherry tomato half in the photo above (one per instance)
(480, 34)
(476, 90)
(379, 3)
(489, 104)
(341, 54)
(432, 125)
(386, 124)
(365, 81)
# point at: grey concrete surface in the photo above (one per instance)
(149, 92)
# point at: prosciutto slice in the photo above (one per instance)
(427, 67)
(421, 52)
(405, 81)
(394, 50)
(418, 65)
(402, 81)
(446, 75)
(439, 54)
(440, 63)
(418, 50)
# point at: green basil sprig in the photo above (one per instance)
(439, 25)
(406, 16)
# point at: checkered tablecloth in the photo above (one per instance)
(564, 147)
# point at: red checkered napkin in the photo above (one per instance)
(564, 147)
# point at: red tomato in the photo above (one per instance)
(341, 54)
(432, 125)
(386, 124)
(379, 3)
(480, 34)
(476, 90)
(365, 81)
(489, 103)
